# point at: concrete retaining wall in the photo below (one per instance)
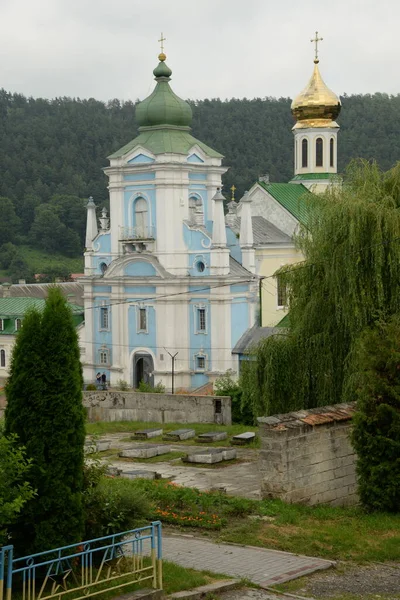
(307, 457)
(161, 408)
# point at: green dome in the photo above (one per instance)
(163, 107)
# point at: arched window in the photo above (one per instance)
(331, 152)
(319, 152)
(304, 153)
(192, 209)
(2, 358)
(18, 324)
(103, 267)
(295, 154)
(141, 218)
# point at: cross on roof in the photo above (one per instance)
(162, 40)
(315, 41)
(233, 189)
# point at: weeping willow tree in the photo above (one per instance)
(350, 278)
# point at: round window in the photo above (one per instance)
(200, 266)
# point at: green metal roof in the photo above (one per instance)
(312, 176)
(161, 140)
(17, 306)
(290, 196)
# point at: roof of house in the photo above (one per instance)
(253, 336)
(166, 140)
(73, 291)
(291, 196)
(265, 232)
(314, 176)
(236, 269)
(16, 307)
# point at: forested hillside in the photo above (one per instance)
(52, 153)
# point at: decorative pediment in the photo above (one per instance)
(140, 159)
(136, 265)
(195, 158)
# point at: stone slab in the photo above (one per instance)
(206, 457)
(180, 434)
(103, 445)
(243, 438)
(206, 590)
(145, 434)
(140, 475)
(212, 436)
(229, 453)
(145, 451)
(113, 471)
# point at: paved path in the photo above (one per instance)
(261, 566)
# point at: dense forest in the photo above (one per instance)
(52, 153)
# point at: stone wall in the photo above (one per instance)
(161, 408)
(307, 457)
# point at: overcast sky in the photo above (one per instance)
(216, 48)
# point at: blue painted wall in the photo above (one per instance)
(140, 158)
(233, 244)
(142, 340)
(239, 319)
(199, 341)
(148, 193)
(140, 177)
(101, 337)
(140, 269)
(148, 290)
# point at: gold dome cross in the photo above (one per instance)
(162, 40)
(315, 41)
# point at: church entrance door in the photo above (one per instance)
(143, 368)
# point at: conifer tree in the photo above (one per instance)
(44, 408)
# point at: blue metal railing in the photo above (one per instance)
(85, 569)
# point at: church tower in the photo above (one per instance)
(315, 109)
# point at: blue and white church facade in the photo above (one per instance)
(164, 274)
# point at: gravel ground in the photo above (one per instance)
(376, 580)
(249, 594)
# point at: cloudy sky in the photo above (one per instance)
(216, 48)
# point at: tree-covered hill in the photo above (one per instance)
(52, 153)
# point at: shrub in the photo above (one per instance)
(376, 433)
(122, 386)
(111, 505)
(15, 491)
(227, 386)
(147, 388)
(91, 387)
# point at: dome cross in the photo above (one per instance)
(162, 40)
(315, 41)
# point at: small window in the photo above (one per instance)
(296, 145)
(331, 152)
(201, 319)
(1, 324)
(18, 324)
(103, 267)
(319, 152)
(200, 266)
(304, 153)
(2, 358)
(104, 357)
(200, 363)
(141, 218)
(281, 293)
(104, 317)
(142, 319)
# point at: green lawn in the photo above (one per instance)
(347, 534)
(39, 260)
(104, 428)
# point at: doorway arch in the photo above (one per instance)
(143, 369)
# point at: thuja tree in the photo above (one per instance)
(349, 277)
(375, 384)
(44, 408)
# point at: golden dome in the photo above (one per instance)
(316, 105)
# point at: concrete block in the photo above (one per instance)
(229, 454)
(209, 456)
(103, 445)
(145, 434)
(179, 435)
(212, 436)
(145, 451)
(243, 438)
(140, 475)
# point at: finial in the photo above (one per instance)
(315, 41)
(162, 56)
(233, 189)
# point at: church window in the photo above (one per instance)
(1, 324)
(331, 152)
(304, 153)
(200, 266)
(201, 320)
(18, 324)
(104, 356)
(319, 152)
(296, 145)
(192, 209)
(281, 290)
(200, 362)
(103, 267)
(2, 358)
(141, 218)
(104, 317)
(142, 318)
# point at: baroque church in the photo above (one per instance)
(175, 290)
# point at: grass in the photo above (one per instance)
(104, 428)
(347, 534)
(177, 578)
(39, 260)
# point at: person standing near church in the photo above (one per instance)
(104, 381)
